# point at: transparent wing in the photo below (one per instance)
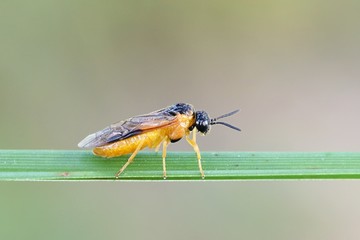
(130, 127)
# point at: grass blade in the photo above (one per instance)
(33, 165)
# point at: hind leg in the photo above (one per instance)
(131, 158)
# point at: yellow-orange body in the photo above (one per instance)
(152, 130)
(150, 138)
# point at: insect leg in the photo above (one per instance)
(193, 143)
(131, 158)
(157, 147)
(165, 144)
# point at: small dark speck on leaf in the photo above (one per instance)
(65, 174)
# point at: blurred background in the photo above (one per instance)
(70, 68)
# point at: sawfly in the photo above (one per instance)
(164, 126)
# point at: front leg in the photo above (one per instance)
(193, 143)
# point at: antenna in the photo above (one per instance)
(214, 120)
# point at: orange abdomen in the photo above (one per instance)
(151, 140)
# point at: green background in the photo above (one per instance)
(69, 68)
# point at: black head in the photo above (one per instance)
(203, 121)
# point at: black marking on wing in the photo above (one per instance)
(118, 137)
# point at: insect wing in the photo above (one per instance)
(130, 127)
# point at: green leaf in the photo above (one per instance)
(33, 165)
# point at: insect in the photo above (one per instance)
(165, 126)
